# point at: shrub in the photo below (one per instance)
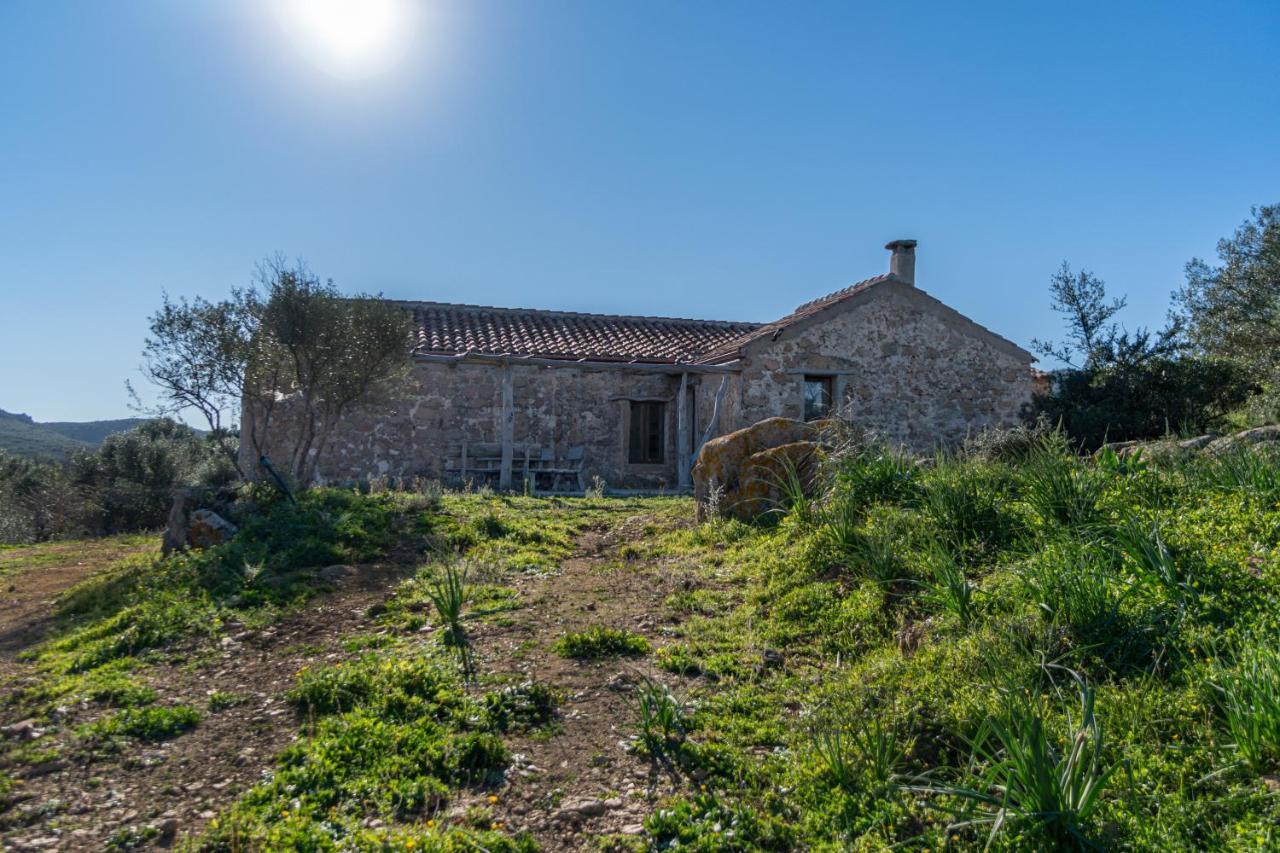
(1024, 778)
(151, 724)
(1249, 695)
(1155, 397)
(661, 716)
(968, 504)
(1060, 489)
(601, 642)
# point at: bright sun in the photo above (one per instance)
(348, 37)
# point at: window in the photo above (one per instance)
(817, 397)
(648, 433)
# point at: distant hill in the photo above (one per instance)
(22, 435)
(92, 432)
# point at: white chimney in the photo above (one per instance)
(903, 262)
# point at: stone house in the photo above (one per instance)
(498, 393)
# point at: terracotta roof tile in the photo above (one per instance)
(447, 329)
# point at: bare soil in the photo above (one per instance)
(584, 781)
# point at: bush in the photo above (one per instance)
(1147, 400)
(124, 485)
(600, 642)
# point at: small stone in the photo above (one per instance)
(22, 730)
(632, 829)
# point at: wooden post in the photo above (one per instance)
(508, 426)
(682, 433)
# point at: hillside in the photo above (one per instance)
(92, 432)
(23, 435)
(1043, 653)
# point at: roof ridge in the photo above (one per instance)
(555, 312)
(844, 291)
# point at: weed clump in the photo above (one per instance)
(599, 642)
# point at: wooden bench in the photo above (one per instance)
(480, 463)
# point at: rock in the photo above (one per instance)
(723, 468)
(207, 529)
(22, 730)
(579, 809)
(1245, 438)
(168, 831)
(632, 829)
(175, 535)
(1200, 442)
(771, 659)
(333, 574)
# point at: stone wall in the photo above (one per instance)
(443, 405)
(902, 364)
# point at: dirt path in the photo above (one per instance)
(32, 579)
(157, 793)
(579, 783)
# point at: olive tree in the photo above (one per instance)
(286, 358)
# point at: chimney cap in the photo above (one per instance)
(896, 245)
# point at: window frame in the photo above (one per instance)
(647, 432)
(828, 384)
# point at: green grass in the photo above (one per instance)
(599, 642)
(1041, 653)
(150, 724)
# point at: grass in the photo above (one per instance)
(1019, 781)
(1020, 651)
(1084, 649)
(598, 642)
(150, 724)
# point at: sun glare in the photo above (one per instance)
(348, 37)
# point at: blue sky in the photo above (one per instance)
(703, 159)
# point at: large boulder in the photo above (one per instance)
(207, 529)
(764, 477)
(722, 465)
(1244, 439)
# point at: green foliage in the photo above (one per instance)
(866, 755)
(661, 716)
(126, 484)
(398, 687)
(600, 642)
(396, 734)
(1231, 308)
(1131, 572)
(152, 724)
(1060, 490)
(947, 588)
(221, 700)
(528, 705)
(448, 593)
(1151, 399)
(1020, 777)
(1250, 703)
(969, 506)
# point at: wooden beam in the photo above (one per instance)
(683, 459)
(508, 427)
